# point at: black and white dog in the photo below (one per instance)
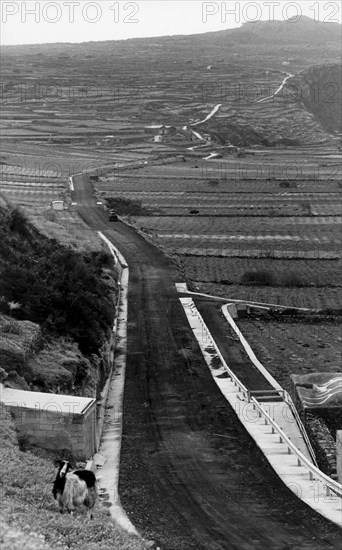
(74, 489)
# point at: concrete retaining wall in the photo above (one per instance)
(57, 422)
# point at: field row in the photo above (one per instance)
(31, 186)
(282, 272)
(38, 193)
(212, 183)
(219, 196)
(313, 298)
(253, 250)
(267, 238)
(10, 171)
(228, 226)
(230, 211)
(247, 252)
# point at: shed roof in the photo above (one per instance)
(48, 402)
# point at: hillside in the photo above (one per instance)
(56, 311)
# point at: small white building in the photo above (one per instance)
(57, 205)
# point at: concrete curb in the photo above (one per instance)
(107, 461)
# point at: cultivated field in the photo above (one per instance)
(290, 347)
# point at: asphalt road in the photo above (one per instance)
(190, 476)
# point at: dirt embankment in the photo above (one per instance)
(320, 90)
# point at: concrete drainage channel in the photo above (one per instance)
(106, 462)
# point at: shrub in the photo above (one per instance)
(261, 277)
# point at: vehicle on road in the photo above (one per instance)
(113, 217)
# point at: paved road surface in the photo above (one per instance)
(190, 478)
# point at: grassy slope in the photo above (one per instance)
(30, 514)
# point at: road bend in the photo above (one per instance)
(190, 476)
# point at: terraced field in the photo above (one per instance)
(27, 186)
(220, 229)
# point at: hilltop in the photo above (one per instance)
(290, 31)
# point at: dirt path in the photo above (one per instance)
(182, 485)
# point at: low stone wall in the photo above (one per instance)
(323, 444)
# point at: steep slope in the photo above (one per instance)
(320, 90)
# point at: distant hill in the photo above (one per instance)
(291, 31)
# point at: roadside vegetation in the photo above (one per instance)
(30, 516)
(66, 297)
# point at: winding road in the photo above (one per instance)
(278, 90)
(191, 478)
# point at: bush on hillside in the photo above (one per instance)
(56, 287)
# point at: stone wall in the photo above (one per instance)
(56, 430)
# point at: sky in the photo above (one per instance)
(35, 22)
